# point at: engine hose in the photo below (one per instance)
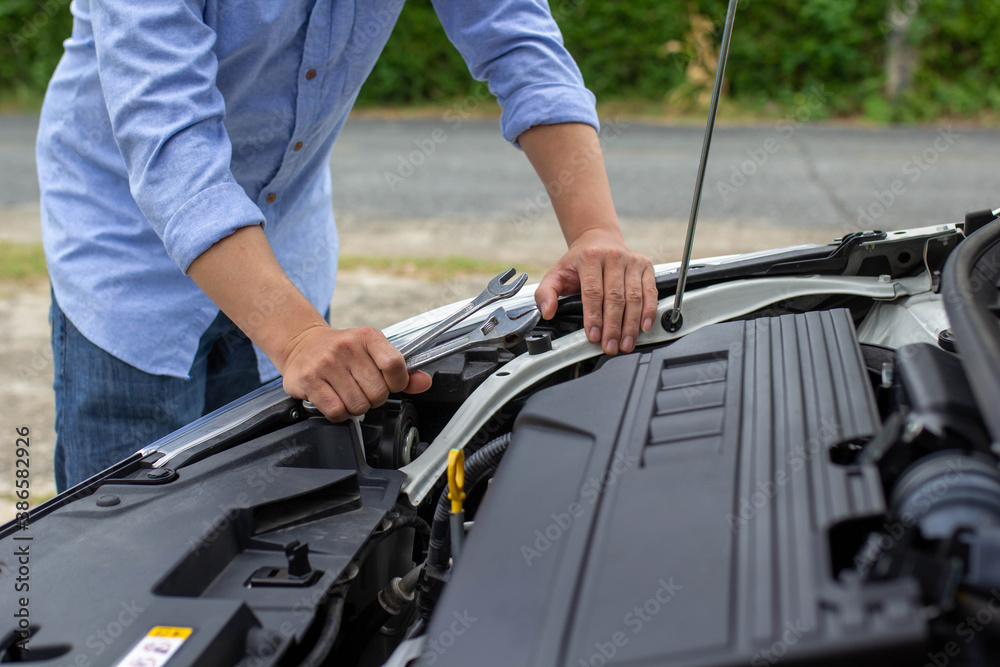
(320, 651)
(477, 467)
(396, 524)
(373, 616)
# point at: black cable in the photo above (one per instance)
(434, 572)
(328, 635)
(331, 625)
(423, 533)
(477, 467)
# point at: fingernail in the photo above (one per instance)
(595, 335)
(545, 307)
(612, 346)
(627, 344)
(647, 324)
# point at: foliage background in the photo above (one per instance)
(646, 51)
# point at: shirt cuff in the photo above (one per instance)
(207, 218)
(547, 104)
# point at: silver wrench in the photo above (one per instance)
(495, 291)
(502, 329)
(499, 328)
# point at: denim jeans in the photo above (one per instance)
(107, 410)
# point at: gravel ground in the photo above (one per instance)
(363, 297)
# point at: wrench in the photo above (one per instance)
(498, 328)
(495, 291)
(501, 329)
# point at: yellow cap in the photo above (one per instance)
(456, 479)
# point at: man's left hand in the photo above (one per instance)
(617, 285)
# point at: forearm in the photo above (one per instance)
(242, 276)
(617, 286)
(569, 161)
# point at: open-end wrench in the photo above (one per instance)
(499, 329)
(502, 329)
(495, 291)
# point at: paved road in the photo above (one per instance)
(816, 175)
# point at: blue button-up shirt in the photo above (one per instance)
(168, 125)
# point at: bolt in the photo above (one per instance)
(108, 501)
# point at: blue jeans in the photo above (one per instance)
(107, 410)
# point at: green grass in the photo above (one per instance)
(22, 262)
(427, 268)
(731, 112)
(21, 100)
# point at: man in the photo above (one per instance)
(183, 156)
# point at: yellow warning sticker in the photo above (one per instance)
(164, 631)
(157, 647)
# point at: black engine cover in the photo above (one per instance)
(675, 507)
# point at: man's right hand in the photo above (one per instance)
(343, 372)
(346, 372)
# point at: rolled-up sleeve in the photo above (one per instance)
(516, 46)
(158, 75)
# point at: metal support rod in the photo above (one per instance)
(720, 72)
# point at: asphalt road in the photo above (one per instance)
(789, 175)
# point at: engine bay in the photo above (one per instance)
(781, 479)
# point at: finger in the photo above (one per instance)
(313, 389)
(633, 306)
(419, 382)
(387, 359)
(546, 295)
(370, 380)
(592, 293)
(650, 298)
(326, 400)
(350, 392)
(614, 306)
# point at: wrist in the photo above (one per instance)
(279, 331)
(288, 344)
(599, 234)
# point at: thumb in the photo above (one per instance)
(419, 383)
(547, 293)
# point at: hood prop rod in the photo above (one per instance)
(672, 320)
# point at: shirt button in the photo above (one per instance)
(311, 74)
(298, 146)
(270, 197)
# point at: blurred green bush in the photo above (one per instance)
(664, 50)
(33, 32)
